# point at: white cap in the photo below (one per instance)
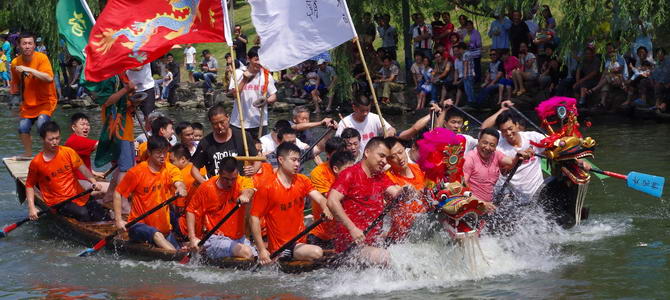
(320, 61)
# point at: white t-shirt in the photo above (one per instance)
(369, 128)
(470, 143)
(252, 91)
(530, 56)
(142, 78)
(189, 55)
(528, 178)
(269, 144)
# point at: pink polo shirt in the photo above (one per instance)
(482, 174)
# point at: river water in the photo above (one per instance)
(622, 251)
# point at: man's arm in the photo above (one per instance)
(190, 224)
(323, 203)
(118, 219)
(39, 75)
(195, 172)
(490, 121)
(334, 198)
(30, 198)
(90, 177)
(263, 253)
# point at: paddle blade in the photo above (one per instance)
(2, 234)
(649, 184)
(7, 230)
(186, 259)
(94, 249)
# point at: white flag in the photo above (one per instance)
(293, 31)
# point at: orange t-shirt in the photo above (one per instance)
(142, 153)
(39, 97)
(266, 172)
(322, 179)
(210, 204)
(282, 209)
(149, 189)
(56, 178)
(403, 215)
(189, 181)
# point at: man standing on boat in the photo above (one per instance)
(357, 198)
(281, 203)
(223, 142)
(53, 170)
(211, 202)
(32, 79)
(150, 183)
(368, 124)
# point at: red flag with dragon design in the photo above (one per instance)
(131, 33)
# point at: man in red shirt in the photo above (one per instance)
(357, 198)
(84, 146)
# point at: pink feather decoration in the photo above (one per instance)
(547, 108)
(430, 150)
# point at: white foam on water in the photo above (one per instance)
(439, 263)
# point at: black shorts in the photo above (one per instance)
(324, 244)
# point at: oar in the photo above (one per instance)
(211, 232)
(104, 241)
(648, 184)
(293, 240)
(11, 227)
(306, 153)
(467, 115)
(509, 177)
(367, 230)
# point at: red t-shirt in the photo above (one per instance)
(84, 147)
(363, 201)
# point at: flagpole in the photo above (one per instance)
(240, 112)
(365, 67)
(88, 11)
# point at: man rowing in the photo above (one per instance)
(53, 170)
(368, 124)
(357, 198)
(281, 203)
(211, 202)
(150, 183)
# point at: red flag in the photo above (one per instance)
(131, 33)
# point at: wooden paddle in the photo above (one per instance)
(293, 240)
(472, 118)
(509, 177)
(305, 154)
(54, 207)
(211, 232)
(108, 238)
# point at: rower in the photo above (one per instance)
(368, 124)
(224, 141)
(300, 122)
(211, 202)
(528, 178)
(404, 173)
(483, 166)
(181, 158)
(53, 171)
(357, 198)
(84, 147)
(288, 135)
(161, 126)
(150, 183)
(323, 177)
(281, 202)
(352, 138)
(184, 131)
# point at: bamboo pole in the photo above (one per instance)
(372, 87)
(240, 111)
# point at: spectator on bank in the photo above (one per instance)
(527, 72)
(462, 22)
(40, 46)
(240, 42)
(548, 17)
(387, 82)
(312, 86)
(499, 31)
(510, 63)
(613, 76)
(441, 36)
(208, 69)
(545, 36)
(417, 68)
(518, 32)
(661, 77)
(366, 29)
(425, 87)
(640, 80)
(495, 73)
(441, 71)
(4, 74)
(7, 48)
(463, 65)
(454, 39)
(550, 68)
(422, 37)
(327, 78)
(587, 75)
(474, 42)
(189, 61)
(389, 36)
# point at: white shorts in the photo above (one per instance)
(219, 246)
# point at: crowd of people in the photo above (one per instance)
(363, 162)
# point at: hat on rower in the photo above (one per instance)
(320, 61)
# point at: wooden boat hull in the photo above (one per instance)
(88, 233)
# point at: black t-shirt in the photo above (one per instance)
(240, 47)
(518, 33)
(209, 152)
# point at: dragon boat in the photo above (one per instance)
(563, 194)
(88, 233)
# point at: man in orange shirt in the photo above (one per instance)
(323, 177)
(32, 78)
(180, 158)
(160, 126)
(403, 173)
(212, 201)
(150, 183)
(281, 202)
(53, 171)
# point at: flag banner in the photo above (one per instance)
(293, 31)
(74, 26)
(131, 33)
